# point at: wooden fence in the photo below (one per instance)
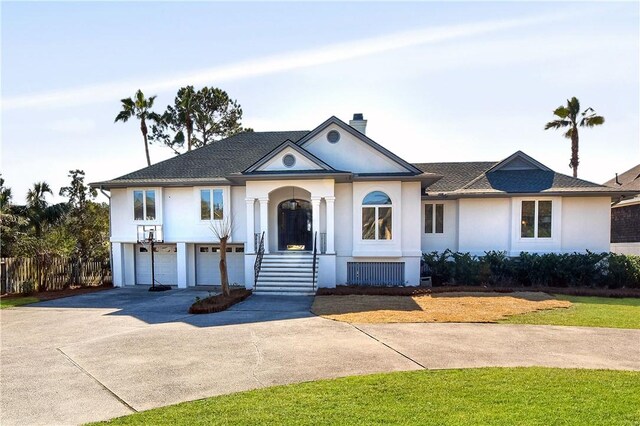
(20, 274)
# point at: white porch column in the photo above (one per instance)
(251, 227)
(182, 264)
(264, 221)
(315, 216)
(330, 201)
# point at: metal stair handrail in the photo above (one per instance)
(315, 255)
(258, 264)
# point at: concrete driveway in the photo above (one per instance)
(111, 353)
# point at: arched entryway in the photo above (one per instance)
(295, 225)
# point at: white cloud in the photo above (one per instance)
(272, 64)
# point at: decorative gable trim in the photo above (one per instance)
(283, 146)
(521, 161)
(361, 136)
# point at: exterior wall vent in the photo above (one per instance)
(375, 273)
(289, 160)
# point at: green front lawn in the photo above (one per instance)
(497, 396)
(17, 301)
(587, 312)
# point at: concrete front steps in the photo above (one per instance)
(288, 274)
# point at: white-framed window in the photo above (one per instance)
(434, 218)
(144, 204)
(377, 215)
(211, 204)
(536, 219)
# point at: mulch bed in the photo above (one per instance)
(219, 302)
(57, 294)
(344, 290)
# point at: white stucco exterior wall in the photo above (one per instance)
(411, 224)
(350, 153)
(178, 213)
(484, 224)
(626, 248)
(586, 224)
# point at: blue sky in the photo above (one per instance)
(437, 81)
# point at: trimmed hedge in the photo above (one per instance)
(495, 268)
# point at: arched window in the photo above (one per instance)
(376, 216)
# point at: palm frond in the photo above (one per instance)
(557, 124)
(561, 112)
(123, 116)
(573, 105)
(591, 121)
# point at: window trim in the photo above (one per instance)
(157, 196)
(211, 190)
(536, 218)
(376, 213)
(433, 218)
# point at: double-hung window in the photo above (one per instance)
(376, 216)
(536, 219)
(211, 204)
(144, 204)
(434, 218)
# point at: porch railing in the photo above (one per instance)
(258, 264)
(315, 256)
(323, 243)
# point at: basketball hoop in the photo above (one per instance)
(148, 235)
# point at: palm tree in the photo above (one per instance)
(570, 116)
(140, 108)
(37, 206)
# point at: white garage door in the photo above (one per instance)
(208, 265)
(166, 264)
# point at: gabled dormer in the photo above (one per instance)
(519, 161)
(288, 157)
(347, 148)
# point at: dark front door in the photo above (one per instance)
(294, 225)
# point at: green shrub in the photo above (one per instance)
(594, 270)
(440, 266)
(623, 271)
(28, 288)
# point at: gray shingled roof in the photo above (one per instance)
(529, 181)
(471, 178)
(630, 180)
(228, 157)
(455, 175)
(216, 160)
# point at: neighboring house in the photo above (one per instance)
(625, 215)
(369, 213)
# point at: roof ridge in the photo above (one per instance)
(477, 178)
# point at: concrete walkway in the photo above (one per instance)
(108, 354)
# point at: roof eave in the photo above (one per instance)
(109, 184)
(453, 195)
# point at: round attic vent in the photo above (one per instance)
(289, 160)
(333, 136)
